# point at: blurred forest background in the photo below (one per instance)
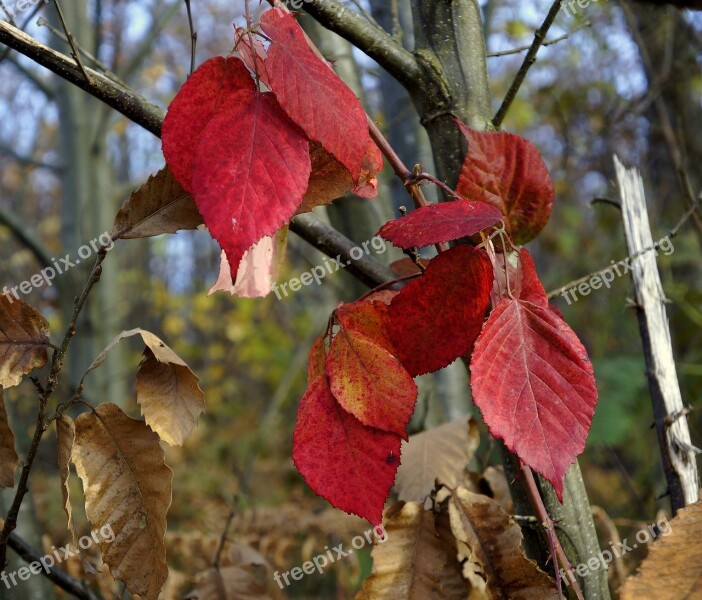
(625, 80)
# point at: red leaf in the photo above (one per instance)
(250, 172)
(369, 318)
(350, 465)
(312, 94)
(370, 383)
(206, 91)
(442, 222)
(437, 317)
(533, 381)
(507, 171)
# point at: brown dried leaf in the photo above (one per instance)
(24, 339)
(245, 575)
(439, 453)
(128, 488)
(65, 436)
(167, 390)
(8, 456)
(159, 206)
(168, 393)
(673, 569)
(491, 545)
(407, 565)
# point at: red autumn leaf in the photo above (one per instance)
(370, 383)
(533, 381)
(442, 222)
(207, 91)
(437, 317)
(317, 359)
(368, 317)
(350, 465)
(250, 172)
(252, 52)
(507, 171)
(312, 94)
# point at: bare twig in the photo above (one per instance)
(42, 423)
(42, 22)
(223, 539)
(565, 36)
(193, 36)
(71, 41)
(7, 14)
(58, 576)
(529, 60)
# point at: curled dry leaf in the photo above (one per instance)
(127, 488)
(159, 206)
(491, 544)
(439, 453)
(673, 569)
(24, 340)
(244, 575)
(8, 455)
(167, 390)
(65, 437)
(408, 564)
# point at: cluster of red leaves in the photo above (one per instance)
(530, 375)
(253, 159)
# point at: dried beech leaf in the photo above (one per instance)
(24, 339)
(491, 545)
(8, 457)
(65, 436)
(167, 390)
(168, 393)
(406, 566)
(128, 488)
(673, 568)
(439, 453)
(159, 206)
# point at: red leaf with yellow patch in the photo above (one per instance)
(369, 382)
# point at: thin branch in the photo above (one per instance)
(193, 36)
(7, 14)
(41, 254)
(670, 235)
(565, 36)
(42, 423)
(126, 101)
(223, 539)
(42, 22)
(375, 42)
(71, 41)
(58, 576)
(28, 161)
(529, 60)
